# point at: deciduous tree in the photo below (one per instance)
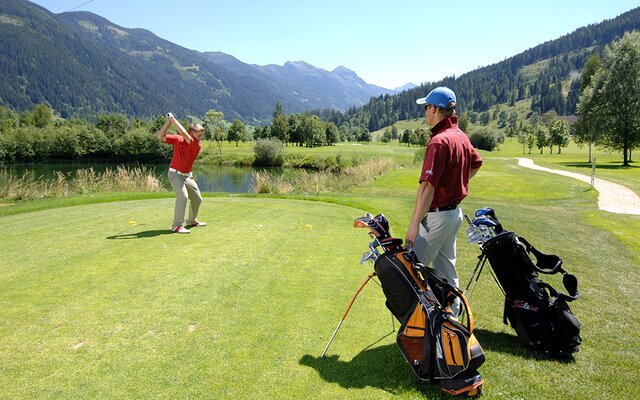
(610, 104)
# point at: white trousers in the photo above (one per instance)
(436, 245)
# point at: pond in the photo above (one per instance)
(210, 178)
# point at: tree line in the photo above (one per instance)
(544, 74)
(39, 135)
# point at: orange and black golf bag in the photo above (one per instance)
(438, 347)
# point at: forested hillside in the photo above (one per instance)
(83, 65)
(547, 74)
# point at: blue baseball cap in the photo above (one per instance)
(441, 97)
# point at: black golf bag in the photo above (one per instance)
(438, 347)
(539, 313)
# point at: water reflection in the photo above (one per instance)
(210, 178)
(223, 179)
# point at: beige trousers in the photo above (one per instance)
(185, 188)
(436, 244)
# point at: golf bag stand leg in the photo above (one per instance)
(482, 259)
(346, 312)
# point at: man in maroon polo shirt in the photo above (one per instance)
(186, 146)
(449, 162)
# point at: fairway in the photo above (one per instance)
(101, 301)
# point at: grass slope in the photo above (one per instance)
(93, 307)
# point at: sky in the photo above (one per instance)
(386, 43)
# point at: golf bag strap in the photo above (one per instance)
(465, 303)
(431, 273)
(573, 294)
(549, 264)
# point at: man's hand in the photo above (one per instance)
(411, 235)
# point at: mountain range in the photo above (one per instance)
(82, 65)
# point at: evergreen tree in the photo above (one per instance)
(42, 115)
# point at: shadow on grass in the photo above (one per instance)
(587, 165)
(381, 367)
(140, 235)
(502, 342)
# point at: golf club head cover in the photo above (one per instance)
(379, 225)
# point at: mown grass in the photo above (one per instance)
(99, 301)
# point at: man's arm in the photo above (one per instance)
(423, 202)
(162, 133)
(183, 132)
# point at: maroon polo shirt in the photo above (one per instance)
(448, 159)
(184, 154)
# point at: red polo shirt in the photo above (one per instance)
(448, 159)
(184, 154)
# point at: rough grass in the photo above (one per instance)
(83, 181)
(321, 181)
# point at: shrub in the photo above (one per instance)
(268, 153)
(294, 160)
(485, 139)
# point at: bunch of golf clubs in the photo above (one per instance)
(484, 226)
(373, 253)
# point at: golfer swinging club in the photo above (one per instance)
(186, 146)
(449, 162)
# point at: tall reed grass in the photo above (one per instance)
(265, 182)
(84, 181)
(322, 181)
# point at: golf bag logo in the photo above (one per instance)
(523, 305)
(537, 312)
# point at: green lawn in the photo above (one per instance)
(576, 159)
(572, 158)
(98, 300)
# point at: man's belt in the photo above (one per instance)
(187, 174)
(444, 208)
